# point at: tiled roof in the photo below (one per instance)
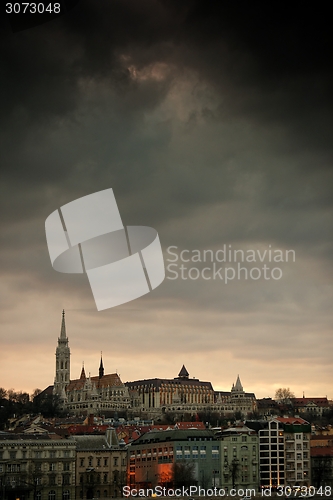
(323, 402)
(292, 420)
(110, 380)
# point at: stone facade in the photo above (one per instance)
(100, 466)
(36, 467)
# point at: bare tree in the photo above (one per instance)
(284, 395)
(183, 473)
(3, 393)
(35, 393)
(234, 468)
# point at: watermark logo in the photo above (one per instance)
(87, 236)
(227, 264)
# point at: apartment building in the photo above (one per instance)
(101, 463)
(284, 452)
(36, 467)
(239, 458)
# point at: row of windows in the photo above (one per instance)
(13, 455)
(93, 478)
(52, 495)
(99, 461)
(99, 405)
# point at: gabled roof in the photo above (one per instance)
(292, 420)
(301, 402)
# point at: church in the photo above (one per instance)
(103, 394)
(84, 395)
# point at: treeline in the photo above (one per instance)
(14, 404)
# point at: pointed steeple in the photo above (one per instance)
(238, 386)
(183, 373)
(101, 368)
(63, 326)
(83, 373)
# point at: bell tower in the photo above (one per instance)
(62, 377)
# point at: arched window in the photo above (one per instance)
(66, 495)
(52, 495)
(105, 493)
(38, 495)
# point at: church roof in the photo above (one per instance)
(110, 380)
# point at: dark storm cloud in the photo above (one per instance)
(267, 61)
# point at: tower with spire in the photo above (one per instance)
(62, 376)
(101, 369)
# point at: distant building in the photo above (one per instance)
(102, 393)
(267, 407)
(314, 406)
(237, 400)
(181, 393)
(87, 395)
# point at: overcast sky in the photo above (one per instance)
(213, 124)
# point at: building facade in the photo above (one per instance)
(284, 453)
(239, 463)
(181, 393)
(153, 456)
(36, 468)
(235, 401)
(101, 465)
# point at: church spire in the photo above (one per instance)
(63, 326)
(83, 373)
(101, 368)
(62, 376)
